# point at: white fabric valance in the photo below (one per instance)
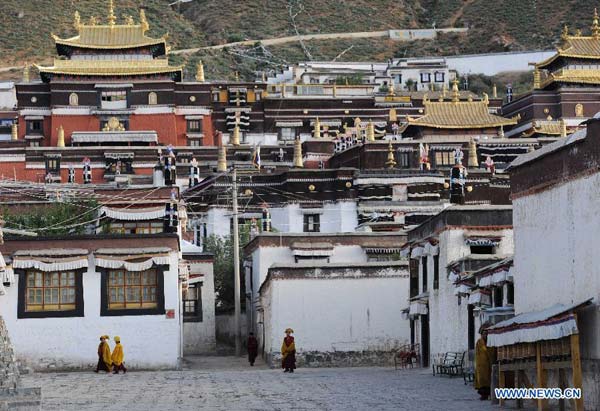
(479, 298)
(500, 277)
(50, 264)
(133, 214)
(418, 308)
(118, 263)
(485, 281)
(431, 249)
(405, 252)
(416, 252)
(462, 289)
(542, 332)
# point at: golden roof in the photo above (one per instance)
(109, 67)
(547, 127)
(459, 115)
(111, 35)
(577, 46)
(582, 76)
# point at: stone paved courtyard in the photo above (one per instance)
(223, 383)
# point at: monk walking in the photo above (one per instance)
(484, 358)
(252, 349)
(117, 357)
(104, 360)
(288, 352)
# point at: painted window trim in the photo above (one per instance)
(79, 303)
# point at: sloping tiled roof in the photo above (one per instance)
(110, 37)
(459, 115)
(584, 47)
(110, 67)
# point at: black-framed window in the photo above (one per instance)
(440, 76)
(194, 126)
(414, 277)
(312, 223)
(498, 296)
(192, 303)
(50, 294)
(53, 165)
(33, 126)
(510, 294)
(425, 77)
(132, 292)
(424, 266)
(444, 158)
(482, 249)
(436, 272)
(403, 160)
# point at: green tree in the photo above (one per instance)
(60, 218)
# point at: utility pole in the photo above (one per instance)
(236, 266)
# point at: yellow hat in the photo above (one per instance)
(289, 330)
(106, 337)
(117, 339)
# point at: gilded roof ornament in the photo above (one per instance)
(391, 161)
(76, 20)
(595, 25)
(93, 21)
(486, 99)
(129, 20)
(564, 36)
(144, 21)
(425, 98)
(112, 19)
(455, 92)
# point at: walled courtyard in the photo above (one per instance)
(224, 383)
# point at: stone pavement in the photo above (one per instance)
(225, 383)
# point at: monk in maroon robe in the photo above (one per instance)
(288, 352)
(252, 349)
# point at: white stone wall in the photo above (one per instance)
(199, 337)
(448, 320)
(263, 258)
(149, 341)
(556, 257)
(327, 315)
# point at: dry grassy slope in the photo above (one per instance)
(25, 26)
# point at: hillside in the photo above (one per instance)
(25, 27)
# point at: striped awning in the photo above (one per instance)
(288, 124)
(133, 214)
(114, 137)
(132, 259)
(51, 259)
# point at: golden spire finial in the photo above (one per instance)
(112, 19)
(425, 98)
(14, 132)
(370, 131)
(494, 91)
(455, 92)
(391, 161)
(143, 21)
(334, 90)
(393, 114)
(129, 20)
(60, 141)
(200, 71)
(222, 160)
(565, 33)
(235, 137)
(473, 160)
(595, 25)
(298, 163)
(317, 129)
(391, 91)
(26, 73)
(77, 20)
(93, 21)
